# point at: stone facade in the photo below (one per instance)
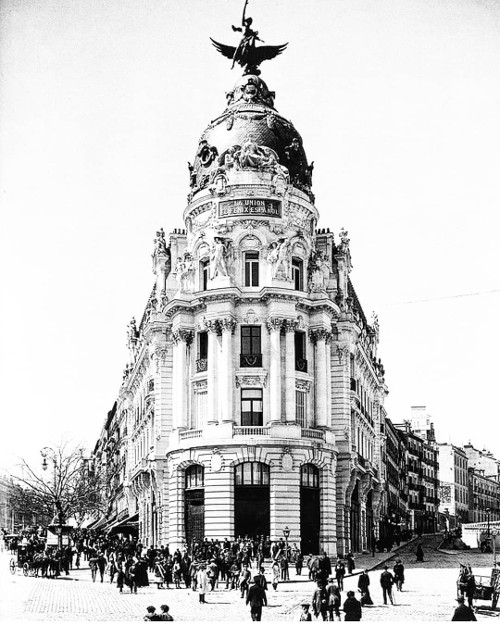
(253, 397)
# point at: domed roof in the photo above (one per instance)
(250, 116)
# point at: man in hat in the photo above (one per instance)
(257, 598)
(463, 612)
(305, 615)
(399, 574)
(352, 607)
(320, 601)
(386, 581)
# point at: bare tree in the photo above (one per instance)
(65, 486)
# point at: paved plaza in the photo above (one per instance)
(428, 595)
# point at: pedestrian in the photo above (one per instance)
(352, 607)
(399, 574)
(276, 574)
(112, 569)
(320, 601)
(364, 588)
(386, 581)
(131, 577)
(305, 615)
(101, 564)
(202, 583)
(463, 612)
(470, 589)
(257, 598)
(340, 573)
(150, 614)
(334, 600)
(245, 576)
(262, 581)
(93, 565)
(420, 553)
(165, 614)
(299, 563)
(350, 563)
(120, 578)
(285, 574)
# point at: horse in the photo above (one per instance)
(464, 575)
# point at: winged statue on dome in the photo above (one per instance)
(247, 54)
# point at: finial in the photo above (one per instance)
(247, 54)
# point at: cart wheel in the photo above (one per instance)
(26, 569)
(12, 566)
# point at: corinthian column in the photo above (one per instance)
(226, 369)
(289, 327)
(181, 339)
(320, 337)
(274, 328)
(213, 328)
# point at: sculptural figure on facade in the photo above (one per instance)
(247, 54)
(319, 271)
(183, 270)
(218, 258)
(279, 257)
(160, 243)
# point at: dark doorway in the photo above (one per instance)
(194, 504)
(355, 521)
(369, 522)
(309, 509)
(251, 500)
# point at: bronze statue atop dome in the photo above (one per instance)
(247, 54)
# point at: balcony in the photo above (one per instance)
(251, 430)
(301, 365)
(250, 360)
(201, 365)
(190, 434)
(316, 434)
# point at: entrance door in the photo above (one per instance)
(355, 521)
(309, 509)
(195, 515)
(251, 500)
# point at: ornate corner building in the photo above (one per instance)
(253, 399)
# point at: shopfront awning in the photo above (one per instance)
(129, 525)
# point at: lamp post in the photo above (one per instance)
(58, 514)
(286, 534)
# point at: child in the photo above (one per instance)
(150, 616)
(305, 615)
(165, 616)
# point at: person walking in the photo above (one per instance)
(352, 607)
(93, 565)
(386, 581)
(463, 612)
(364, 588)
(350, 563)
(419, 553)
(276, 574)
(120, 578)
(334, 600)
(299, 563)
(340, 573)
(101, 565)
(256, 598)
(262, 581)
(202, 583)
(245, 576)
(320, 601)
(399, 575)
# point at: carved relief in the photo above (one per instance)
(343, 353)
(319, 271)
(303, 385)
(279, 257)
(258, 379)
(274, 324)
(228, 325)
(160, 244)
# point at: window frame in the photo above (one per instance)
(251, 260)
(256, 417)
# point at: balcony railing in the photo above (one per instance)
(190, 434)
(201, 365)
(250, 360)
(309, 433)
(251, 430)
(301, 365)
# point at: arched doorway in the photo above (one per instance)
(194, 495)
(309, 509)
(355, 520)
(251, 499)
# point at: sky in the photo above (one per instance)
(101, 107)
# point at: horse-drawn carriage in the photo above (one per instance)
(23, 561)
(481, 587)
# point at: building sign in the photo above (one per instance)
(250, 206)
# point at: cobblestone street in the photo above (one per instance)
(428, 595)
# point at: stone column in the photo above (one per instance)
(182, 340)
(176, 538)
(319, 337)
(328, 374)
(176, 380)
(226, 369)
(285, 498)
(213, 328)
(289, 326)
(274, 329)
(219, 498)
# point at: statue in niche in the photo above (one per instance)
(279, 257)
(319, 271)
(219, 257)
(183, 270)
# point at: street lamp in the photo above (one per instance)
(286, 534)
(488, 510)
(58, 520)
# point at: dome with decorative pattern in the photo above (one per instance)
(251, 124)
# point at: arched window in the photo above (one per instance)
(251, 474)
(298, 274)
(309, 476)
(195, 476)
(251, 263)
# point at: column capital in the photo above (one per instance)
(274, 324)
(289, 325)
(228, 324)
(182, 335)
(320, 334)
(213, 326)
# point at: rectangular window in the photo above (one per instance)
(251, 269)
(300, 408)
(251, 351)
(300, 352)
(298, 274)
(201, 362)
(204, 274)
(200, 416)
(251, 406)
